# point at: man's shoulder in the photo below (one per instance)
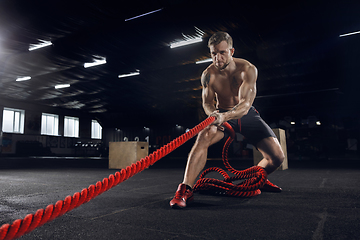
(210, 69)
(205, 77)
(244, 67)
(242, 63)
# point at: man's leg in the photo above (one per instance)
(196, 162)
(273, 154)
(198, 154)
(273, 157)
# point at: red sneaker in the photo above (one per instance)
(182, 197)
(270, 187)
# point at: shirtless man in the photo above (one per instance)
(232, 83)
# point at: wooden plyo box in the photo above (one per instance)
(280, 134)
(123, 154)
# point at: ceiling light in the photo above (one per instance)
(19, 79)
(318, 123)
(197, 37)
(62, 86)
(39, 45)
(348, 34)
(204, 61)
(143, 14)
(186, 42)
(97, 61)
(129, 74)
(292, 123)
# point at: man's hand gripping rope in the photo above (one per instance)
(219, 120)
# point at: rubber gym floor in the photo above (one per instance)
(320, 200)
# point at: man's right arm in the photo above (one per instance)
(208, 93)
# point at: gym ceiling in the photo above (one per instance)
(305, 67)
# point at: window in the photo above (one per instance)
(71, 127)
(49, 124)
(96, 130)
(13, 120)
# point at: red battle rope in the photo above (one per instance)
(31, 221)
(256, 177)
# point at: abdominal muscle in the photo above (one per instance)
(226, 103)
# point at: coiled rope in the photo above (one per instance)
(256, 176)
(23, 226)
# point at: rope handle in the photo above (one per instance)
(23, 226)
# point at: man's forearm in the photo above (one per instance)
(209, 108)
(238, 111)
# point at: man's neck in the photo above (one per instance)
(227, 68)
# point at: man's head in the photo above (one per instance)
(218, 37)
(221, 49)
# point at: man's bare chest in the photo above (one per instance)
(227, 86)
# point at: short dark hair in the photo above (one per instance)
(218, 37)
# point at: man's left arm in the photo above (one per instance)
(247, 94)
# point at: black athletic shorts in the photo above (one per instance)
(251, 126)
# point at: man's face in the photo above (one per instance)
(221, 55)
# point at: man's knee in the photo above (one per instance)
(272, 151)
(205, 136)
(278, 158)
